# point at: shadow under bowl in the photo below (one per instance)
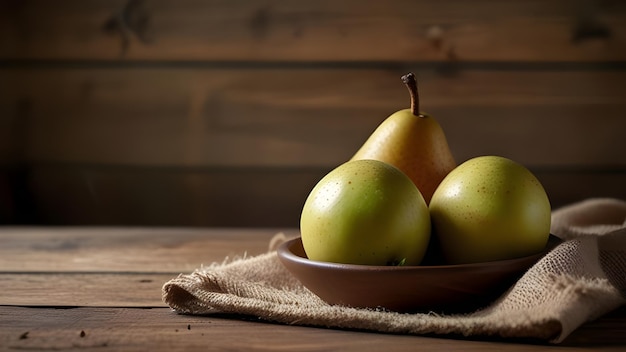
(437, 288)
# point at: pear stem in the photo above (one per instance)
(411, 83)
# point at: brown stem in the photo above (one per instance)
(411, 83)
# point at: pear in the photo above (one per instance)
(412, 141)
(490, 208)
(365, 212)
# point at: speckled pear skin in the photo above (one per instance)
(416, 145)
(365, 212)
(413, 142)
(490, 208)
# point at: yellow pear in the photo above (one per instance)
(412, 141)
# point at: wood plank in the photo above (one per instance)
(282, 30)
(84, 289)
(569, 186)
(83, 250)
(160, 329)
(119, 267)
(62, 309)
(7, 199)
(240, 197)
(171, 197)
(201, 116)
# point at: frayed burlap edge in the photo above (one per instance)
(565, 289)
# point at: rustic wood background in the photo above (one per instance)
(226, 113)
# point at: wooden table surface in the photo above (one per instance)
(100, 288)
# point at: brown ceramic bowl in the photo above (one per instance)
(438, 288)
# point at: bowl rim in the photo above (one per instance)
(285, 252)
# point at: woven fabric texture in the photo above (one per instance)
(578, 281)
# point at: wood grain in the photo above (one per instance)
(121, 267)
(84, 289)
(280, 30)
(210, 146)
(226, 113)
(266, 197)
(308, 117)
(84, 250)
(59, 304)
(154, 329)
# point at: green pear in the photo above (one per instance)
(490, 208)
(365, 212)
(412, 141)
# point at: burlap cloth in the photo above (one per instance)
(581, 279)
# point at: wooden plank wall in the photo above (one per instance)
(226, 113)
